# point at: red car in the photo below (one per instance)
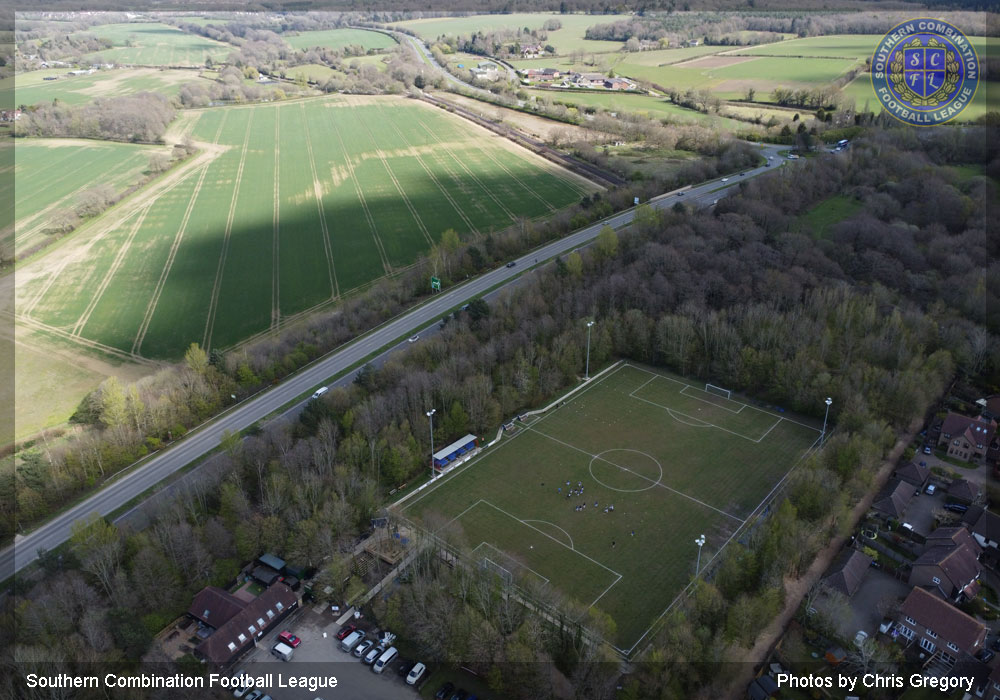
(346, 630)
(289, 639)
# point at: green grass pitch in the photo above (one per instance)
(674, 461)
(299, 204)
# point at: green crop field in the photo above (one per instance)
(658, 107)
(856, 46)
(288, 207)
(675, 461)
(155, 44)
(339, 38)
(568, 38)
(33, 87)
(51, 174)
(987, 98)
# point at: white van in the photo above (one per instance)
(387, 656)
(282, 651)
(319, 392)
(352, 640)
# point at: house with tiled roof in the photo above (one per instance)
(964, 491)
(215, 607)
(248, 626)
(848, 571)
(967, 438)
(938, 627)
(984, 526)
(914, 474)
(949, 566)
(893, 499)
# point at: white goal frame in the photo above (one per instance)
(504, 574)
(718, 391)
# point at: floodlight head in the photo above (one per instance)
(589, 324)
(828, 401)
(431, 412)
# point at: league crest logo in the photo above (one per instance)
(925, 72)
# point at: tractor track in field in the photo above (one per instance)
(515, 178)
(93, 344)
(433, 177)
(399, 188)
(213, 306)
(115, 264)
(472, 175)
(318, 194)
(56, 261)
(165, 272)
(275, 246)
(386, 266)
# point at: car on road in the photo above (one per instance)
(680, 194)
(362, 649)
(289, 639)
(415, 673)
(346, 630)
(444, 692)
(511, 264)
(742, 174)
(413, 339)
(725, 179)
(714, 202)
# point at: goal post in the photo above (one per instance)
(718, 391)
(504, 574)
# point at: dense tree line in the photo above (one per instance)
(139, 118)
(879, 314)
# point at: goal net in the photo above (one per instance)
(718, 391)
(489, 565)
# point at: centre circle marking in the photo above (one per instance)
(600, 456)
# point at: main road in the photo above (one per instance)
(143, 477)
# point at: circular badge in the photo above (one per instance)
(925, 72)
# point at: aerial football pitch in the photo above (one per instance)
(674, 460)
(285, 209)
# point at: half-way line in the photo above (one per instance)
(655, 482)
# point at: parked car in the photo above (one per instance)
(956, 507)
(345, 630)
(289, 639)
(885, 625)
(415, 673)
(373, 653)
(362, 649)
(404, 667)
(985, 655)
(242, 690)
(931, 489)
(254, 695)
(860, 638)
(927, 449)
(444, 692)
(460, 694)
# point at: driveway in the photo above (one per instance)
(320, 656)
(873, 600)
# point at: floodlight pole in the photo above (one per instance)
(701, 543)
(587, 375)
(827, 415)
(430, 415)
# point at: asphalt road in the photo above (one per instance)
(118, 493)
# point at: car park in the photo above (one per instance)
(346, 630)
(289, 639)
(444, 692)
(362, 648)
(352, 640)
(415, 673)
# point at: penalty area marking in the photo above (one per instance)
(499, 551)
(571, 546)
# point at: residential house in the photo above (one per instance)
(893, 499)
(532, 50)
(214, 607)
(967, 438)
(848, 571)
(587, 79)
(965, 492)
(10, 115)
(551, 73)
(992, 686)
(247, 626)
(914, 474)
(984, 526)
(618, 84)
(949, 565)
(938, 627)
(762, 688)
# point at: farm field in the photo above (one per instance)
(568, 38)
(155, 44)
(33, 88)
(52, 173)
(856, 46)
(644, 104)
(675, 461)
(340, 38)
(987, 98)
(318, 197)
